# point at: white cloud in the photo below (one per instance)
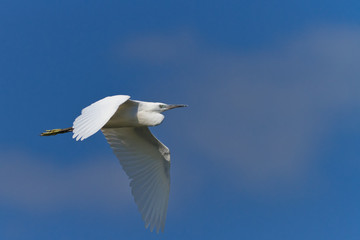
(262, 115)
(30, 183)
(43, 185)
(159, 49)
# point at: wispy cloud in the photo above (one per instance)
(29, 183)
(262, 115)
(159, 49)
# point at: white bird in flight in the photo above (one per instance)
(144, 158)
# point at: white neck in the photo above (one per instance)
(148, 114)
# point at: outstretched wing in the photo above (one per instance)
(95, 116)
(146, 161)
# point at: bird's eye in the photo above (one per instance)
(162, 105)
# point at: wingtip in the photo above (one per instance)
(76, 136)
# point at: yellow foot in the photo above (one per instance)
(55, 131)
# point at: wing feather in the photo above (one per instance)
(146, 161)
(95, 116)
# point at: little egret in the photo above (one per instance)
(144, 158)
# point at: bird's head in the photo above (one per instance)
(162, 107)
(150, 113)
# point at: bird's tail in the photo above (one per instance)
(56, 131)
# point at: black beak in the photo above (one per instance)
(175, 106)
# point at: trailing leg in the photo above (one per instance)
(56, 131)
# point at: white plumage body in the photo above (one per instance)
(144, 158)
(134, 114)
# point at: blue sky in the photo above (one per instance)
(268, 148)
